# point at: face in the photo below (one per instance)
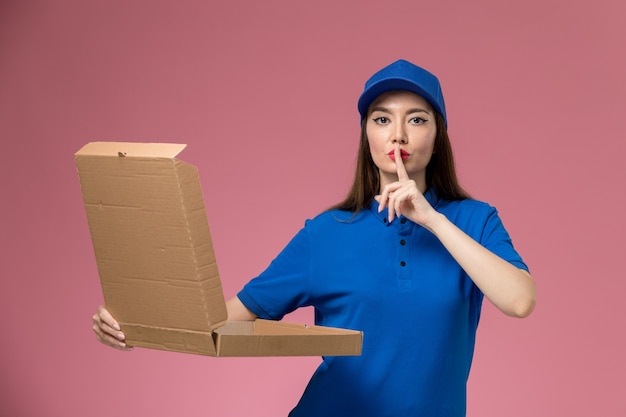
(405, 118)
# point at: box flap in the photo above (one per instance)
(277, 338)
(129, 149)
(151, 236)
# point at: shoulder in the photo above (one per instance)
(335, 218)
(458, 208)
(470, 215)
(467, 206)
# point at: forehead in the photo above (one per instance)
(400, 98)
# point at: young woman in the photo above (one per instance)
(407, 258)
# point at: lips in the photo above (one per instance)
(403, 154)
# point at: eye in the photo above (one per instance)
(417, 121)
(381, 120)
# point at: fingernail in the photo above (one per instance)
(121, 336)
(116, 327)
(122, 344)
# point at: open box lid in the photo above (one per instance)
(151, 236)
(157, 265)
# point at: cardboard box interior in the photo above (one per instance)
(156, 262)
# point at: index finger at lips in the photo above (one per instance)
(401, 170)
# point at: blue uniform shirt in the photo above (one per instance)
(395, 282)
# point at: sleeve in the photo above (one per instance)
(495, 238)
(283, 286)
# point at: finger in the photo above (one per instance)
(107, 318)
(394, 207)
(380, 203)
(114, 340)
(401, 170)
(116, 344)
(107, 330)
(383, 198)
(102, 328)
(391, 214)
(104, 332)
(399, 199)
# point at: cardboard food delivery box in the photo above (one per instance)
(157, 266)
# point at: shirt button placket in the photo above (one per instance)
(404, 275)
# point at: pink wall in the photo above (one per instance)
(264, 94)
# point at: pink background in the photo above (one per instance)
(264, 94)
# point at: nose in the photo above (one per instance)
(399, 135)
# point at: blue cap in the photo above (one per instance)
(403, 75)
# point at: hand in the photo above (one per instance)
(403, 197)
(108, 330)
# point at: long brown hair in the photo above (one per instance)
(440, 172)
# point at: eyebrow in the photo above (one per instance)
(410, 111)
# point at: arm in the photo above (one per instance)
(238, 312)
(510, 289)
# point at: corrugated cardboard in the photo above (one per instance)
(156, 261)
